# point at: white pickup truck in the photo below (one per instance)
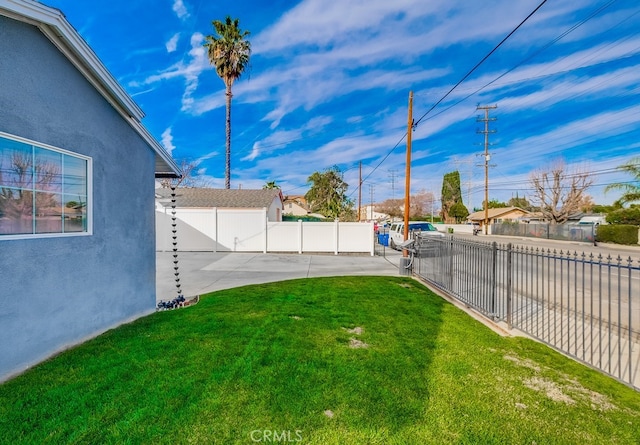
(396, 231)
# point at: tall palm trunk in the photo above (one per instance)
(227, 169)
(229, 52)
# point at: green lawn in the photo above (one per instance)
(277, 363)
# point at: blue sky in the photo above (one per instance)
(329, 83)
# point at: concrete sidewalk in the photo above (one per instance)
(203, 272)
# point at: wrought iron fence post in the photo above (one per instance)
(494, 278)
(451, 263)
(509, 275)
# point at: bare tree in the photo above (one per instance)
(559, 193)
(587, 204)
(422, 204)
(392, 207)
(189, 177)
(17, 200)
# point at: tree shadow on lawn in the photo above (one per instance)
(295, 367)
(279, 358)
(276, 356)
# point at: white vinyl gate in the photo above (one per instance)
(247, 230)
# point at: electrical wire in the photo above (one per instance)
(480, 62)
(513, 31)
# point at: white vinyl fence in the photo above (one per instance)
(248, 230)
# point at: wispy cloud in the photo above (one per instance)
(167, 140)
(335, 49)
(282, 139)
(206, 156)
(189, 71)
(180, 9)
(329, 82)
(255, 151)
(172, 43)
(198, 63)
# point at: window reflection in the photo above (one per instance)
(75, 214)
(41, 190)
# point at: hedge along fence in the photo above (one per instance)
(618, 234)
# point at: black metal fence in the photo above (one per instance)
(584, 305)
(566, 232)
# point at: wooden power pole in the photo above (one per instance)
(487, 158)
(407, 184)
(360, 194)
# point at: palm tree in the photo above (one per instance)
(229, 52)
(631, 191)
(270, 185)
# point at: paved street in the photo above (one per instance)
(603, 249)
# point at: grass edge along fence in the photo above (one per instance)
(580, 304)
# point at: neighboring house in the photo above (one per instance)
(587, 218)
(294, 205)
(297, 206)
(499, 215)
(77, 235)
(218, 219)
(369, 213)
(534, 218)
(209, 198)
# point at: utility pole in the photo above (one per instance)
(371, 189)
(487, 158)
(469, 175)
(433, 197)
(360, 193)
(407, 185)
(392, 174)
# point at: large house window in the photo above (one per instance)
(44, 191)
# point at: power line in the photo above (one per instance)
(481, 62)
(520, 63)
(584, 92)
(457, 84)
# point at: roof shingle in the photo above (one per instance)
(220, 198)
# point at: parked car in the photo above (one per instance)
(592, 220)
(396, 231)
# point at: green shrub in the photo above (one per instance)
(618, 234)
(625, 216)
(303, 217)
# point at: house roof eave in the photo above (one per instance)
(54, 25)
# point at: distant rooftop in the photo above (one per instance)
(221, 198)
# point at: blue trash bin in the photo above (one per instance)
(383, 238)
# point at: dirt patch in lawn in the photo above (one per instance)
(565, 390)
(550, 388)
(354, 343)
(526, 363)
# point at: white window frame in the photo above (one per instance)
(89, 161)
